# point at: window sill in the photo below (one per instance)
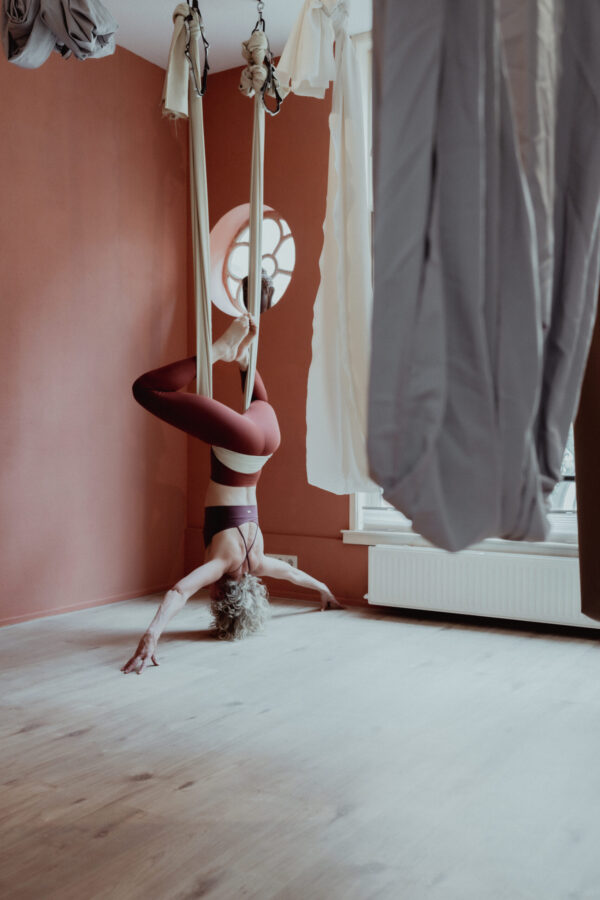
(561, 542)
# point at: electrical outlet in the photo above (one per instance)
(286, 557)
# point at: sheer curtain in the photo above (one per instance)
(336, 410)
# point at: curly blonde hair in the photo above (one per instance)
(239, 607)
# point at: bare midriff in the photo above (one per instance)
(229, 495)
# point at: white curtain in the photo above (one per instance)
(336, 411)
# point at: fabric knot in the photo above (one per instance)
(182, 10)
(252, 79)
(246, 86)
(258, 74)
(195, 29)
(258, 46)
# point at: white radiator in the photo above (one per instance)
(504, 585)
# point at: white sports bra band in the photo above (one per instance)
(240, 462)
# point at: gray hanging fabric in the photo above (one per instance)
(27, 41)
(82, 27)
(487, 228)
(32, 29)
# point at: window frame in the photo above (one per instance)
(285, 233)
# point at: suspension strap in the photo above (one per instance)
(257, 80)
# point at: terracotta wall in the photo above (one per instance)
(295, 517)
(93, 226)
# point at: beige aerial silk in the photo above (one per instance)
(256, 221)
(182, 99)
(252, 83)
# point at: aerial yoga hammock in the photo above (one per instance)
(241, 443)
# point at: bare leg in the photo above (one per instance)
(226, 347)
(243, 352)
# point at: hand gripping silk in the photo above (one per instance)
(336, 408)
(487, 190)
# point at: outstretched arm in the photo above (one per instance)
(174, 600)
(277, 568)
(259, 392)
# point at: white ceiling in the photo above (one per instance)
(145, 26)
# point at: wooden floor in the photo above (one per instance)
(339, 756)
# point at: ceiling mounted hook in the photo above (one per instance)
(261, 22)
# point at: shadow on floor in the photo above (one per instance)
(200, 634)
(448, 621)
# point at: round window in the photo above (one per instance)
(278, 258)
(230, 247)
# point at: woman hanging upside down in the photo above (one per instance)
(241, 443)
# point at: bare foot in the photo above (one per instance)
(226, 347)
(243, 353)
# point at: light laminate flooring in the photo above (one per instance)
(338, 756)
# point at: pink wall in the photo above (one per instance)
(93, 230)
(295, 517)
